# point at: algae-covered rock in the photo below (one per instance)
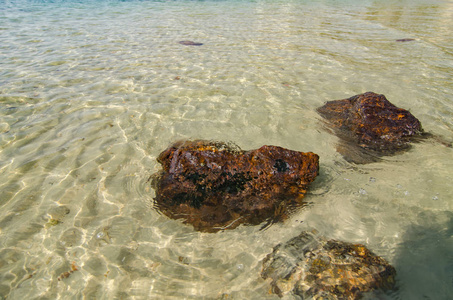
(370, 126)
(215, 186)
(313, 267)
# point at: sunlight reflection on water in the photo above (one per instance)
(92, 92)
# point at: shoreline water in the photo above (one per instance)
(92, 92)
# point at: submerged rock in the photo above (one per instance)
(215, 186)
(190, 43)
(370, 126)
(405, 40)
(313, 267)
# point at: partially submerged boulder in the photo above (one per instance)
(215, 186)
(313, 267)
(370, 126)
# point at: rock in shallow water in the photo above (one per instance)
(405, 40)
(190, 43)
(370, 126)
(313, 267)
(215, 186)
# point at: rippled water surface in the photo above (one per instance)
(92, 91)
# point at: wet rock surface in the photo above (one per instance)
(215, 186)
(312, 267)
(370, 126)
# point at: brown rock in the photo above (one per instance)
(369, 121)
(315, 268)
(216, 186)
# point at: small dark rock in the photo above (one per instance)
(215, 186)
(190, 43)
(405, 40)
(315, 268)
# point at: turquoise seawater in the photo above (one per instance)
(92, 91)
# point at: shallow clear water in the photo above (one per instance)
(92, 91)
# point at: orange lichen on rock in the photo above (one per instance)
(215, 186)
(372, 123)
